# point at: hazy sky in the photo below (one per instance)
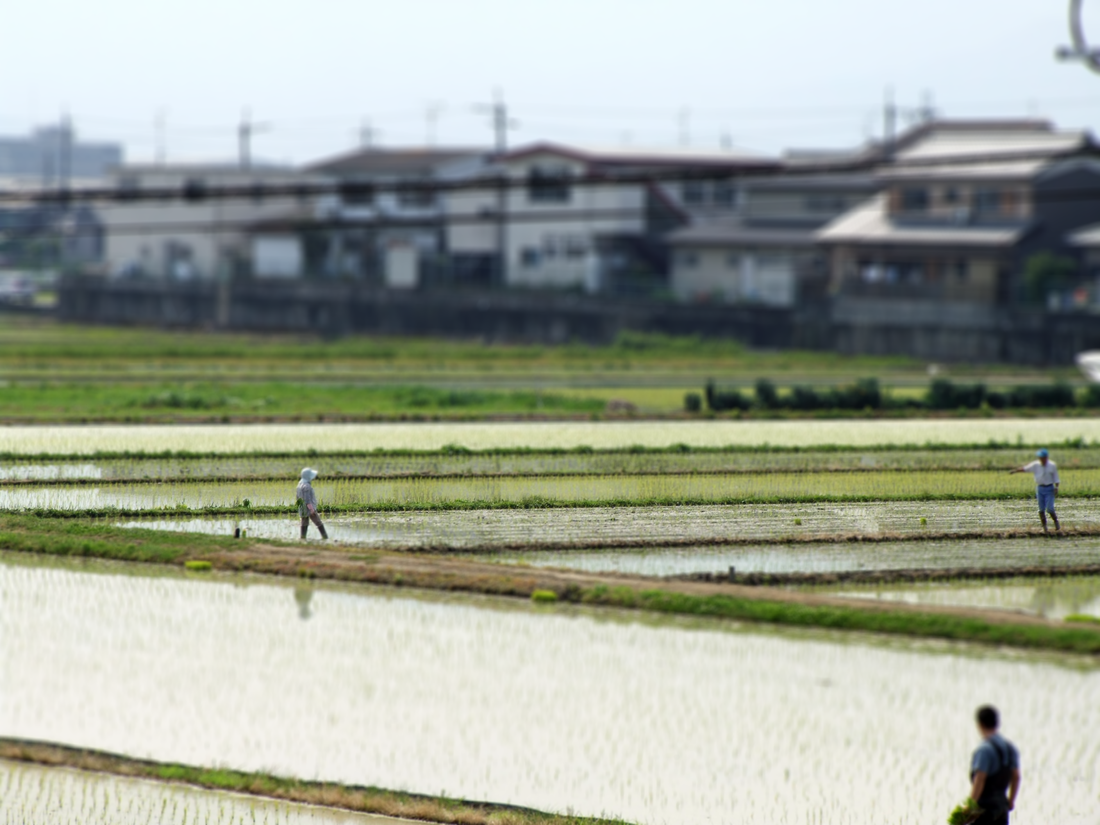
(767, 73)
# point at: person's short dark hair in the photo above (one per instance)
(988, 718)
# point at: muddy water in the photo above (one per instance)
(1053, 598)
(33, 795)
(594, 711)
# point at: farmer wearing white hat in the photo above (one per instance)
(1046, 485)
(307, 503)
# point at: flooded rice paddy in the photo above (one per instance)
(33, 795)
(1052, 598)
(658, 721)
(414, 492)
(835, 557)
(327, 437)
(596, 527)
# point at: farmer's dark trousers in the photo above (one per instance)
(316, 519)
(991, 818)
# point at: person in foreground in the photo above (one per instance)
(307, 503)
(994, 771)
(1046, 485)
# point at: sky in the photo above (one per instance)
(764, 75)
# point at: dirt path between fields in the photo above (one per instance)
(458, 574)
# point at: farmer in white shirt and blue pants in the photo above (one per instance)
(1046, 485)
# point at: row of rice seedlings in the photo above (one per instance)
(543, 693)
(277, 438)
(641, 463)
(350, 494)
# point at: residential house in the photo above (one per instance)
(963, 207)
(381, 223)
(766, 254)
(592, 219)
(175, 221)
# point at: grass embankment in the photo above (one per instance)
(65, 373)
(361, 799)
(68, 538)
(281, 401)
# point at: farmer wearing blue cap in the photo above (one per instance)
(1046, 485)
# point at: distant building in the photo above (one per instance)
(52, 153)
(382, 224)
(592, 219)
(768, 253)
(963, 206)
(186, 231)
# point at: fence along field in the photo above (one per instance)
(522, 704)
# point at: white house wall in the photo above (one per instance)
(717, 275)
(140, 233)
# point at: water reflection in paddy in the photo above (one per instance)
(555, 708)
(1053, 598)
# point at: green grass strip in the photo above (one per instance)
(904, 623)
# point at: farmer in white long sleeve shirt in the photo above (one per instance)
(307, 503)
(1046, 485)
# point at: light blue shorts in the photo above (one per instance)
(1046, 498)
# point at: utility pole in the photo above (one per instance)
(244, 137)
(889, 125)
(64, 152)
(501, 123)
(684, 120)
(367, 134)
(431, 118)
(158, 128)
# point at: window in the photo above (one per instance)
(356, 194)
(688, 260)
(733, 260)
(825, 203)
(962, 270)
(914, 200)
(951, 196)
(987, 201)
(128, 187)
(548, 186)
(529, 257)
(415, 196)
(694, 192)
(724, 193)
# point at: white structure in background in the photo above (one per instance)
(193, 234)
(598, 236)
(385, 209)
(1089, 364)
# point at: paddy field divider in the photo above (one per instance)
(30, 534)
